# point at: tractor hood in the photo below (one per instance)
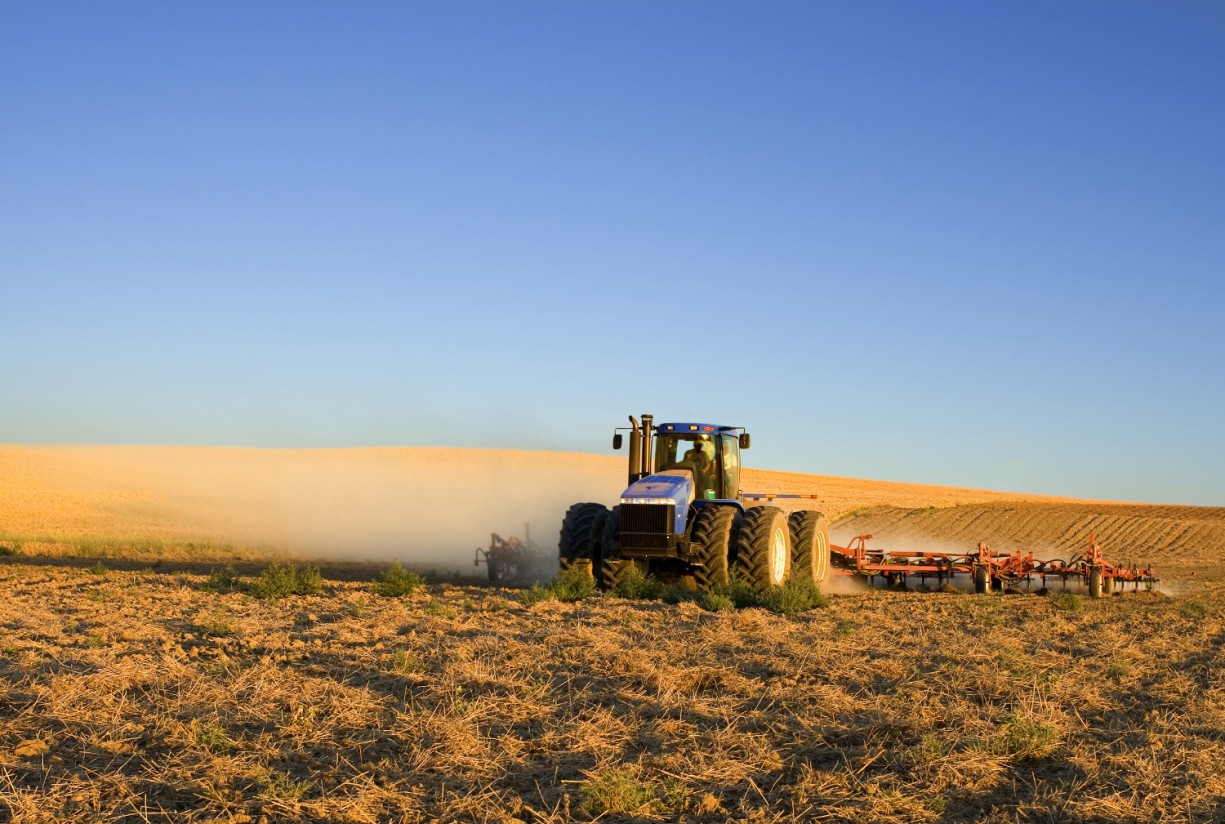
(672, 486)
(675, 484)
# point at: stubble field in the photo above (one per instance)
(134, 691)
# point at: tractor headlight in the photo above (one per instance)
(655, 501)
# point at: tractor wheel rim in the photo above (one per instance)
(778, 556)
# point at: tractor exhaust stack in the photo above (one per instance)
(635, 462)
(648, 459)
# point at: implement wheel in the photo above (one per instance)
(809, 546)
(579, 542)
(497, 571)
(1095, 582)
(711, 541)
(764, 556)
(1108, 586)
(982, 581)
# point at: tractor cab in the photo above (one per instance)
(710, 453)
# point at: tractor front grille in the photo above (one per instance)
(646, 526)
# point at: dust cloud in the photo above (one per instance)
(422, 506)
(844, 585)
(435, 514)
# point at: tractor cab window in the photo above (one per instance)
(695, 453)
(729, 457)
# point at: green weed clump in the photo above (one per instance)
(438, 608)
(219, 625)
(1195, 609)
(397, 582)
(223, 580)
(405, 663)
(213, 738)
(1068, 602)
(98, 569)
(715, 602)
(793, 597)
(279, 784)
(102, 594)
(1026, 738)
(573, 584)
(281, 580)
(929, 750)
(674, 593)
(741, 592)
(569, 585)
(535, 594)
(617, 792)
(637, 585)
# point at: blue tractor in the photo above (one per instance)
(683, 514)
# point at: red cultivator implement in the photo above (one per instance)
(512, 560)
(989, 570)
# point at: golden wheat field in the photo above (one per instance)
(144, 678)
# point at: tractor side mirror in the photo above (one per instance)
(744, 440)
(617, 440)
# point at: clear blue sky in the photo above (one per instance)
(965, 243)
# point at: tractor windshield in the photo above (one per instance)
(695, 453)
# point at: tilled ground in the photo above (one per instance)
(1185, 545)
(142, 696)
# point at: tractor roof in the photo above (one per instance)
(695, 428)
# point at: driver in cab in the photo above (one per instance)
(701, 457)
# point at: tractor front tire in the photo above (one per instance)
(579, 542)
(616, 570)
(809, 546)
(711, 540)
(764, 556)
(610, 550)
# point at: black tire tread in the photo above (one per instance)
(809, 556)
(711, 540)
(617, 570)
(753, 557)
(982, 583)
(610, 548)
(581, 533)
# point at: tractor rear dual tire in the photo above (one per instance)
(579, 545)
(763, 558)
(809, 546)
